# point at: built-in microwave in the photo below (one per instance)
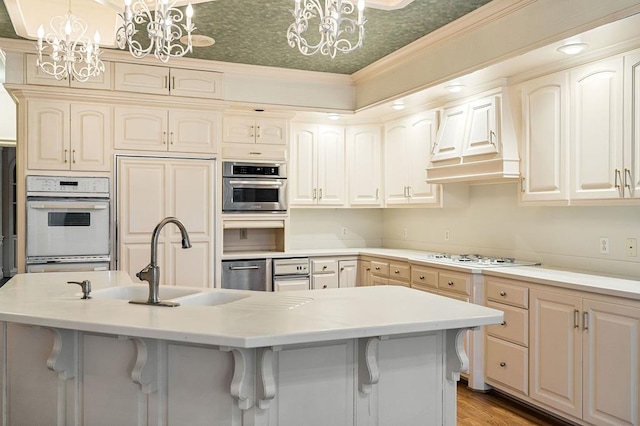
(254, 187)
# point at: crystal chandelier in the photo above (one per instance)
(338, 28)
(70, 52)
(164, 29)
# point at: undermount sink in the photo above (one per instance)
(141, 292)
(212, 298)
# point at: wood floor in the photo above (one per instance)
(480, 409)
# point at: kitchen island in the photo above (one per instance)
(355, 356)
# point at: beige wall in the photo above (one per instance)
(493, 224)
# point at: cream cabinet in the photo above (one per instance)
(584, 353)
(631, 154)
(68, 136)
(317, 166)
(364, 165)
(149, 189)
(597, 130)
(364, 273)
(324, 273)
(545, 139)
(407, 144)
(161, 129)
(34, 75)
(252, 130)
(347, 273)
(168, 81)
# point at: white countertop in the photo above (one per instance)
(261, 319)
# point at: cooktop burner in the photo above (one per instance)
(478, 260)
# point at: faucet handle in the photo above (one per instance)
(85, 286)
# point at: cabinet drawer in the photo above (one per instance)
(508, 364)
(253, 152)
(515, 327)
(459, 283)
(511, 294)
(324, 266)
(398, 282)
(380, 268)
(399, 271)
(324, 281)
(424, 278)
(379, 280)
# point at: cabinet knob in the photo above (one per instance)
(503, 293)
(367, 269)
(422, 277)
(396, 271)
(324, 268)
(377, 268)
(342, 269)
(503, 323)
(450, 283)
(324, 286)
(503, 364)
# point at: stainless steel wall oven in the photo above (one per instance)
(254, 187)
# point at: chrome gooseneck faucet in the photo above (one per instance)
(151, 272)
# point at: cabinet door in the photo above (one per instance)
(364, 273)
(545, 118)
(302, 167)
(194, 131)
(364, 157)
(239, 130)
(632, 125)
(196, 84)
(422, 131)
(396, 168)
(91, 137)
(141, 78)
(271, 131)
(596, 130)
(611, 372)
(482, 133)
(555, 351)
(330, 166)
(48, 135)
(347, 273)
(450, 134)
(143, 129)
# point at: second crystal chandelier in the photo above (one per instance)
(339, 30)
(164, 29)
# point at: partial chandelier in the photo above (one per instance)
(339, 29)
(70, 52)
(164, 29)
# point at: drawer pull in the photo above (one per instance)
(503, 293)
(422, 277)
(503, 364)
(450, 283)
(576, 318)
(324, 268)
(367, 269)
(504, 323)
(324, 286)
(396, 272)
(377, 268)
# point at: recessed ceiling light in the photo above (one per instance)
(455, 87)
(198, 40)
(334, 116)
(398, 105)
(572, 48)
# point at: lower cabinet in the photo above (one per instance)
(364, 273)
(333, 273)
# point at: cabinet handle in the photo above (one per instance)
(522, 184)
(253, 132)
(585, 320)
(377, 193)
(314, 193)
(367, 269)
(409, 192)
(421, 277)
(255, 153)
(173, 82)
(324, 286)
(377, 268)
(171, 138)
(320, 194)
(73, 156)
(503, 364)
(627, 172)
(404, 192)
(66, 151)
(492, 137)
(324, 268)
(166, 80)
(450, 283)
(576, 318)
(396, 272)
(503, 323)
(503, 293)
(164, 138)
(342, 269)
(616, 177)
(258, 134)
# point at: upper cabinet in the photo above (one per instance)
(34, 75)
(317, 166)
(407, 145)
(252, 137)
(168, 81)
(476, 141)
(364, 166)
(66, 136)
(160, 129)
(631, 153)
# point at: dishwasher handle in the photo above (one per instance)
(243, 268)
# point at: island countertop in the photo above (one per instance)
(248, 320)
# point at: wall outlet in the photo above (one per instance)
(243, 233)
(343, 231)
(404, 233)
(632, 247)
(604, 245)
(447, 235)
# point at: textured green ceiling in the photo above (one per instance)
(254, 32)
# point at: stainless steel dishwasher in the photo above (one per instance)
(253, 274)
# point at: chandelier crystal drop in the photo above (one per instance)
(340, 24)
(163, 25)
(67, 51)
